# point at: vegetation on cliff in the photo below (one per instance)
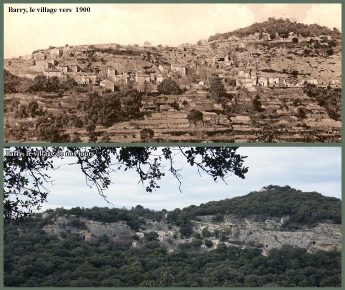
(303, 208)
(280, 26)
(34, 259)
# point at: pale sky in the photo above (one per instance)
(308, 169)
(166, 24)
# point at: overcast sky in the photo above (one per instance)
(136, 23)
(309, 169)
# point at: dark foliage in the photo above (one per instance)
(257, 105)
(304, 208)
(103, 110)
(195, 116)
(146, 134)
(329, 98)
(44, 84)
(15, 84)
(49, 127)
(169, 87)
(34, 259)
(110, 108)
(25, 170)
(217, 89)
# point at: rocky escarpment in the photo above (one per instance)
(91, 231)
(232, 231)
(270, 233)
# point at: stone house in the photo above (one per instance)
(156, 78)
(71, 68)
(312, 81)
(107, 85)
(43, 64)
(55, 52)
(179, 68)
(242, 46)
(123, 78)
(52, 73)
(142, 78)
(85, 79)
(111, 73)
(39, 55)
(266, 36)
(273, 82)
(262, 82)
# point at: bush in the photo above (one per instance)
(195, 116)
(257, 106)
(217, 89)
(208, 243)
(151, 236)
(168, 87)
(146, 134)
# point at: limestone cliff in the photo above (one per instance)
(233, 231)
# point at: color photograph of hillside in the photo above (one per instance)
(77, 217)
(237, 73)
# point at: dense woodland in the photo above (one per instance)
(33, 258)
(303, 208)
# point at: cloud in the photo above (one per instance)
(309, 169)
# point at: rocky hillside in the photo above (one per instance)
(256, 246)
(267, 219)
(206, 233)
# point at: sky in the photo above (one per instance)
(166, 24)
(305, 168)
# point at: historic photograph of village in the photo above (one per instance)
(172, 73)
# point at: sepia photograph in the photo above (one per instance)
(128, 73)
(172, 217)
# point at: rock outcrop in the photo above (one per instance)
(240, 232)
(119, 232)
(270, 234)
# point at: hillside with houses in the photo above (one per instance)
(276, 81)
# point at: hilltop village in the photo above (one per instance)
(244, 86)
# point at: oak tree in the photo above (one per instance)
(26, 169)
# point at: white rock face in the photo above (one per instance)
(118, 232)
(269, 233)
(241, 232)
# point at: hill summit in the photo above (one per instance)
(281, 28)
(269, 218)
(215, 244)
(303, 208)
